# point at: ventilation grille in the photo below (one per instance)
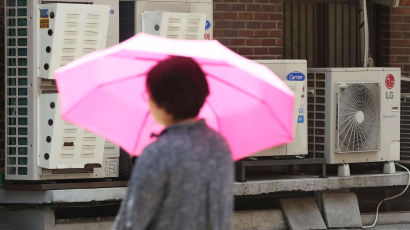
(16, 100)
(183, 26)
(405, 127)
(73, 31)
(358, 117)
(316, 114)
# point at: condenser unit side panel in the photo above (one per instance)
(296, 79)
(207, 8)
(20, 85)
(390, 114)
(330, 116)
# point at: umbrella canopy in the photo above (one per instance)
(105, 93)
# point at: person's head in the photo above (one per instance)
(177, 90)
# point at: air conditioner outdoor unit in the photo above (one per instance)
(175, 19)
(354, 114)
(174, 25)
(293, 73)
(39, 144)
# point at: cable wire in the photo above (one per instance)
(389, 198)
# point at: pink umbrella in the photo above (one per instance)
(104, 92)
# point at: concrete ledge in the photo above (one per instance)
(260, 220)
(320, 184)
(62, 196)
(386, 218)
(240, 189)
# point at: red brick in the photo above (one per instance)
(261, 16)
(394, 35)
(405, 51)
(391, 59)
(276, 33)
(221, 24)
(218, 33)
(253, 25)
(224, 41)
(230, 15)
(234, 49)
(254, 7)
(279, 8)
(402, 59)
(237, 42)
(246, 1)
(265, 57)
(279, 25)
(222, 7)
(406, 35)
(218, 16)
(237, 24)
(268, 42)
(400, 27)
(245, 33)
(229, 7)
(268, 25)
(279, 42)
(245, 51)
(400, 43)
(405, 2)
(253, 42)
(245, 16)
(261, 51)
(406, 68)
(396, 19)
(276, 16)
(230, 33)
(260, 33)
(276, 51)
(268, 8)
(402, 11)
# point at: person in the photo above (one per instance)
(184, 180)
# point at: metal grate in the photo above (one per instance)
(405, 127)
(316, 114)
(358, 117)
(16, 19)
(327, 33)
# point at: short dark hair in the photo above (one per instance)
(179, 86)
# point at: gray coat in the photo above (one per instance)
(183, 181)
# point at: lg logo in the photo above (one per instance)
(389, 81)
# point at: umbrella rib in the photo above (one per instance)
(250, 95)
(140, 131)
(217, 118)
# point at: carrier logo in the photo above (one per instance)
(296, 76)
(389, 81)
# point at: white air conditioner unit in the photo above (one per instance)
(174, 25)
(293, 73)
(176, 19)
(354, 114)
(39, 145)
(67, 32)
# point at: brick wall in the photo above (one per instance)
(2, 132)
(252, 28)
(395, 37)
